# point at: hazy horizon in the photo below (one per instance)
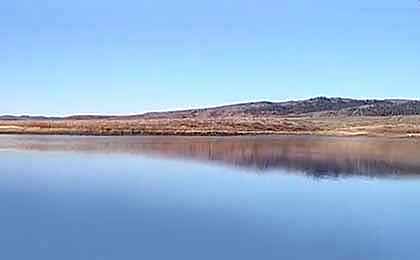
(100, 57)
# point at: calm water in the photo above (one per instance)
(208, 198)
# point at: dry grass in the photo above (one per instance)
(408, 126)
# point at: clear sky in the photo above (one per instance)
(62, 57)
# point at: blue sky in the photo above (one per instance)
(130, 56)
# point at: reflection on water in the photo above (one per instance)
(131, 198)
(313, 156)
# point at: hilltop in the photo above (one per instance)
(314, 107)
(320, 106)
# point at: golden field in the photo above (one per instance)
(396, 126)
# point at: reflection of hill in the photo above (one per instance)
(314, 156)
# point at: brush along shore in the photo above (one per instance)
(399, 126)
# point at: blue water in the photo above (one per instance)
(73, 205)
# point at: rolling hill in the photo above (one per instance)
(316, 116)
(315, 107)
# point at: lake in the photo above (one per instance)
(123, 198)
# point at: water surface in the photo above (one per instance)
(208, 198)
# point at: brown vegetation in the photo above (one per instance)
(400, 126)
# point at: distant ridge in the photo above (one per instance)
(314, 107)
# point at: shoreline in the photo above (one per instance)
(388, 127)
(213, 134)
